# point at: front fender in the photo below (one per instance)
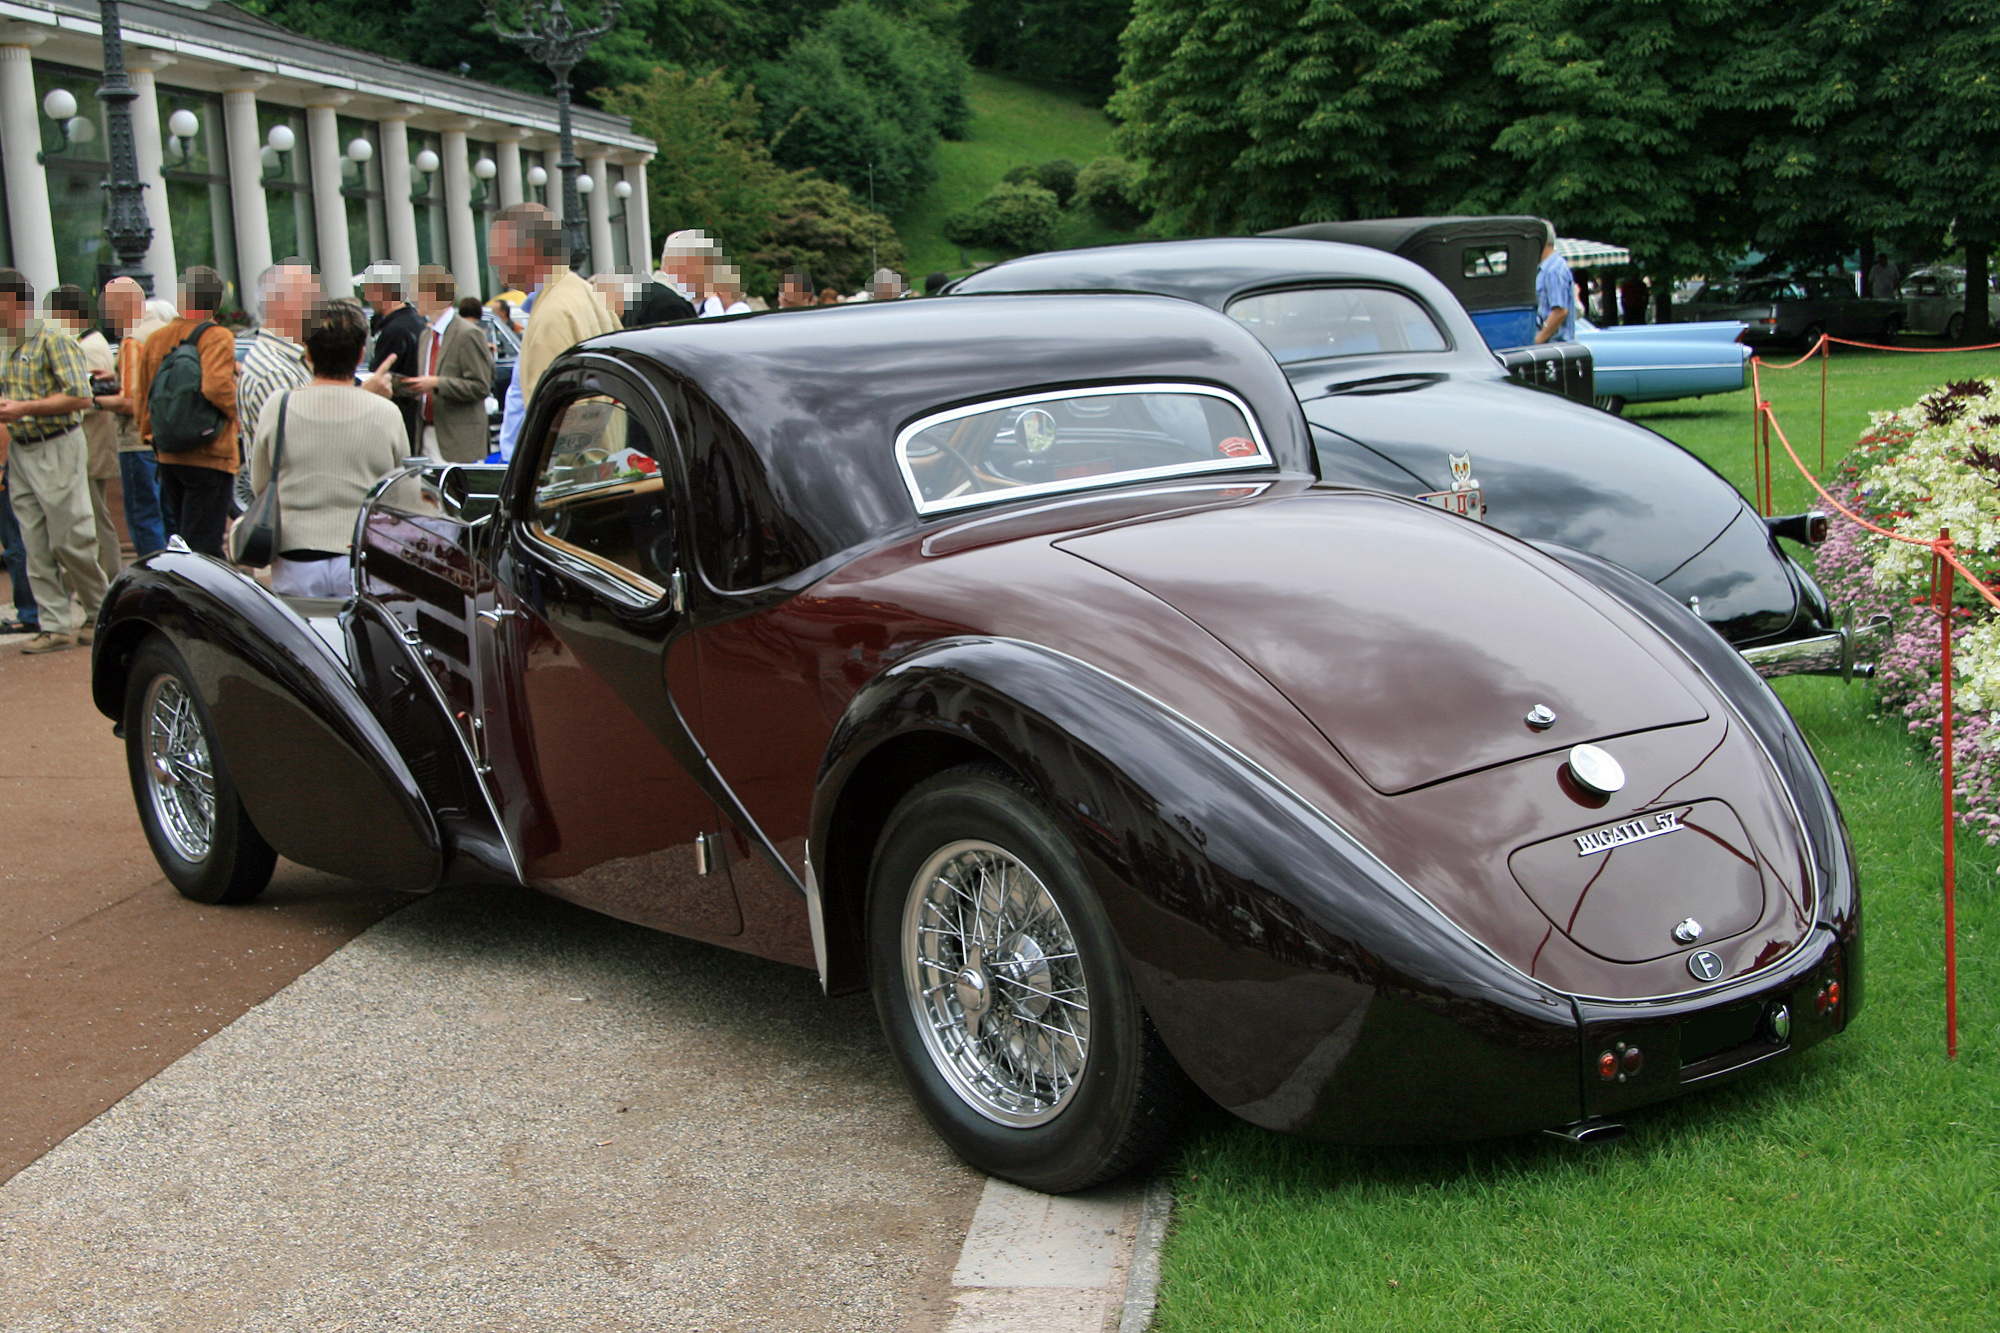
(1296, 978)
(318, 775)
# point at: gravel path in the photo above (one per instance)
(495, 1111)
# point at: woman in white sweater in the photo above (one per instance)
(339, 441)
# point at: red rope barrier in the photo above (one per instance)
(1944, 567)
(1879, 347)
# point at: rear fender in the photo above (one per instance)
(317, 773)
(1283, 964)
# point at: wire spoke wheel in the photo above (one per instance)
(180, 776)
(996, 983)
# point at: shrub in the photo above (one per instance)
(1930, 466)
(1058, 177)
(1015, 216)
(1108, 188)
(822, 229)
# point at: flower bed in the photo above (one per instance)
(1931, 466)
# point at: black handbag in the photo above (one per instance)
(255, 539)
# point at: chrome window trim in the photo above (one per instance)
(1264, 458)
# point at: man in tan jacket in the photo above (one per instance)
(526, 246)
(195, 484)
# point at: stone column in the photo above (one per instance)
(246, 183)
(552, 193)
(597, 208)
(638, 220)
(512, 190)
(460, 230)
(29, 222)
(400, 217)
(147, 143)
(336, 263)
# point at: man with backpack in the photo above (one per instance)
(187, 412)
(44, 390)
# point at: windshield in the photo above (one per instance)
(1073, 441)
(1306, 324)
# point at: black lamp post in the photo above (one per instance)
(125, 221)
(552, 39)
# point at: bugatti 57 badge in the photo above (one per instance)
(1464, 497)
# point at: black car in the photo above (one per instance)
(1404, 395)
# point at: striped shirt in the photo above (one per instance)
(45, 363)
(273, 363)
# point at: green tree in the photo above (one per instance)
(1050, 41)
(862, 97)
(1015, 215)
(820, 229)
(1246, 117)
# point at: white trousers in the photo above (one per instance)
(312, 578)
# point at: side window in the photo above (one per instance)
(743, 535)
(600, 496)
(1306, 324)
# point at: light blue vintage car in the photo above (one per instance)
(1651, 363)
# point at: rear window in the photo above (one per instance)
(1308, 324)
(1048, 443)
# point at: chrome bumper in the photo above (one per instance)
(1832, 654)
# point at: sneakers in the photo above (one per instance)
(48, 643)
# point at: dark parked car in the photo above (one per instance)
(1489, 265)
(1794, 311)
(1008, 658)
(1403, 394)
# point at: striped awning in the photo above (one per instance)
(1591, 254)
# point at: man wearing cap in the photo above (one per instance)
(397, 329)
(1555, 295)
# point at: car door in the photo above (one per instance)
(1923, 303)
(591, 762)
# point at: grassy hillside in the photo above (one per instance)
(1012, 123)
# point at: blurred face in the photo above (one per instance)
(509, 254)
(792, 295)
(292, 294)
(123, 303)
(13, 312)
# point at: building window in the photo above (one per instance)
(196, 168)
(76, 170)
(361, 189)
(287, 175)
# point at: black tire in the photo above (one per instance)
(1612, 403)
(1810, 338)
(1891, 327)
(1127, 1101)
(1954, 328)
(236, 862)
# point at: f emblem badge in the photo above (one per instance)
(1704, 965)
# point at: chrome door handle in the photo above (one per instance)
(495, 617)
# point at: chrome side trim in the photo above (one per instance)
(816, 918)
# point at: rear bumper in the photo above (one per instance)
(1839, 653)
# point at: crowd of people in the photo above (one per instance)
(322, 399)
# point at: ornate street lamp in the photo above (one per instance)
(125, 223)
(552, 39)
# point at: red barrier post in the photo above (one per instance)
(1941, 576)
(1825, 355)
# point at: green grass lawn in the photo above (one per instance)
(1856, 1187)
(1013, 124)
(1858, 383)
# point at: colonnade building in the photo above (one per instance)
(256, 144)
